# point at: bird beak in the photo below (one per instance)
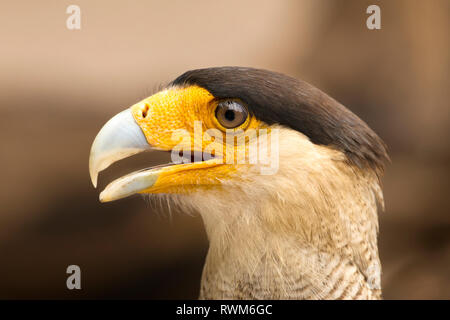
(120, 138)
(157, 123)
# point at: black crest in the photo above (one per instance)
(275, 98)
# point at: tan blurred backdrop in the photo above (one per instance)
(58, 87)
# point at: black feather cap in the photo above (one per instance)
(279, 99)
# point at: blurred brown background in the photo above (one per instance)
(58, 87)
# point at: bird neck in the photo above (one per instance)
(288, 231)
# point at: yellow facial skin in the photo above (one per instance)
(170, 120)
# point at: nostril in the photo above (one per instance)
(144, 111)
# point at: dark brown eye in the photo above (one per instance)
(231, 113)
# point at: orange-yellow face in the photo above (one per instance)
(182, 120)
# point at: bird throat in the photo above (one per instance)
(270, 248)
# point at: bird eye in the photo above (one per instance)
(231, 114)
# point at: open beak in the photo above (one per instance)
(120, 138)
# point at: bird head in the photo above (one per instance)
(285, 178)
(241, 138)
(206, 136)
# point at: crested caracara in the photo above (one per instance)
(285, 178)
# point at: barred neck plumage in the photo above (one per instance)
(307, 232)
